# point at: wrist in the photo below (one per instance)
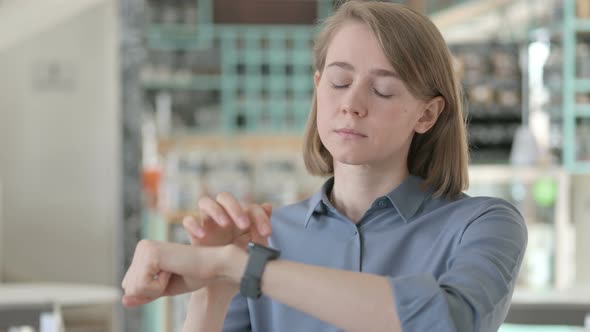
(251, 281)
(216, 289)
(232, 265)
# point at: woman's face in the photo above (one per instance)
(365, 113)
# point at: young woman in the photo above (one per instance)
(390, 242)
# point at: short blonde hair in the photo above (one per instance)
(419, 54)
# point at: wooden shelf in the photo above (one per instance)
(175, 218)
(252, 143)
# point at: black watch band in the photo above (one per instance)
(259, 255)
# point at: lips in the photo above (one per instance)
(350, 132)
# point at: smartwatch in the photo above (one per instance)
(259, 255)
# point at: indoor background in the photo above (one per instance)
(116, 115)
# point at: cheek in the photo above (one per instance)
(395, 122)
(323, 108)
(322, 121)
(323, 98)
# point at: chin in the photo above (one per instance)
(347, 154)
(363, 158)
(351, 159)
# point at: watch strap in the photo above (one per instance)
(258, 257)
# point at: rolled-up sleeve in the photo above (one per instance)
(474, 292)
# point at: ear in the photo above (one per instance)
(316, 78)
(430, 114)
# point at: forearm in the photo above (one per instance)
(207, 309)
(351, 301)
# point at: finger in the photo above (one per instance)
(147, 285)
(209, 233)
(267, 208)
(151, 286)
(192, 228)
(134, 301)
(162, 279)
(256, 238)
(261, 219)
(234, 209)
(216, 235)
(210, 208)
(254, 234)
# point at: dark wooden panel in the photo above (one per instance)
(264, 11)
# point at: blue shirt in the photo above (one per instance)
(452, 264)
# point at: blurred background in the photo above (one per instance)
(116, 115)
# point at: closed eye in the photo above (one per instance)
(342, 86)
(381, 95)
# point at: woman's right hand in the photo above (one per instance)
(225, 221)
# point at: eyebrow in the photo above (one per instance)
(376, 72)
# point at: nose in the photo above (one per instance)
(354, 101)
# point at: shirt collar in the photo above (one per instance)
(407, 198)
(319, 202)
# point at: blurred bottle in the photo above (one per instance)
(150, 168)
(163, 113)
(538, 261)
(583, 140)
(169, 190)
(191, 183)
(582, 62)
(524, 148)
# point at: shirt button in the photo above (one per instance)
(382, 204)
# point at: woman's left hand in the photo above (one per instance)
(153, 264)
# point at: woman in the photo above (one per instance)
(390, 242)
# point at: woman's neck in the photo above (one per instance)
(357, 187)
